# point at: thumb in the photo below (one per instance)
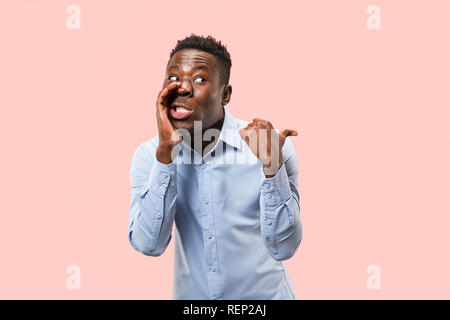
(288, 132)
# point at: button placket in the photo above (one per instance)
(209, 241)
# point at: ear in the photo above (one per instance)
(226, 94)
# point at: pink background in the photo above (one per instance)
(372, 108)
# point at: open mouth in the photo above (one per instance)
(179, 112)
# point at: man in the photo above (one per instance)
(229, 185)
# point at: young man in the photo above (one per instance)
(229, 185)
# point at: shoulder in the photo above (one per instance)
(234, 121)
(146, 150)
(288, 146)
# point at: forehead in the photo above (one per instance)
(191, 59)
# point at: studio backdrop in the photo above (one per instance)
(365, 84)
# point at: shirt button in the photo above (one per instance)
(158, 216)
(163, 185)
(213, 269)
(203, 166)
(172, 173)
(164, 175)
(268, 222)
(206, 201)
(209, 236)
(269, 195)
(266, 185)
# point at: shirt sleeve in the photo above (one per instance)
(281, 227)
(153, 202)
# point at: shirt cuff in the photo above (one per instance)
(276, 190)
(162, 179)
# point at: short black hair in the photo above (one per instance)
(210, 45)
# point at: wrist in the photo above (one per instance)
(271, 172)
(272, 167)
(164, 153)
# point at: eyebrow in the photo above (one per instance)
(194, 67)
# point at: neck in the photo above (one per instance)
(210, 144)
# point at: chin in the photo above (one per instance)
(184, 124)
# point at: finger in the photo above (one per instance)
(245, 135)
(168, 88)
(258, 120)
(242, 132)
(261, 123)
(167, 91)
(174, 85)
(162, 107)
(245, 132)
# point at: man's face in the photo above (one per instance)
(200, 91)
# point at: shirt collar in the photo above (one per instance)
(230, 130)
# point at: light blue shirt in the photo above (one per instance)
(233, 226)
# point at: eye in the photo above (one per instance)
(172, 78)
(200, 78)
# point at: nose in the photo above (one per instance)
(185, 89)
